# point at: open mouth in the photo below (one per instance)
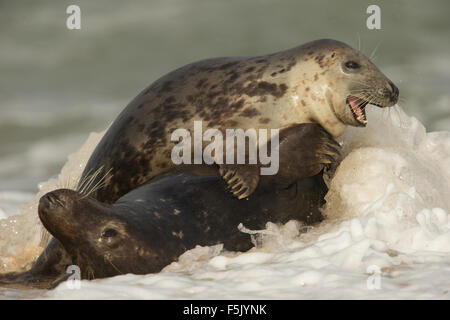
(358, 105)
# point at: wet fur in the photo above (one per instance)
(300, 85)
(157, 222)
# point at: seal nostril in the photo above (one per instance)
(394, 91)
(46, 204)
(51, 200)
(46, 201)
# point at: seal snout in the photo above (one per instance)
(48, 201)
(389, 92)
(394, 92)
(54, 202)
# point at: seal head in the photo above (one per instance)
(348, 80)
(100, 242)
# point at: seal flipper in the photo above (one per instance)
(242, 179)
(47, 272)
(304, 151)
(28, 280)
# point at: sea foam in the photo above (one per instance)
(387, 232)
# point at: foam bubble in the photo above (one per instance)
(20, 234)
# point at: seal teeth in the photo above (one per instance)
(357, 106)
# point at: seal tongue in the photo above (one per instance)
(357, 106)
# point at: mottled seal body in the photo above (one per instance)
(149, 227)
(324, 82)
(311, 93)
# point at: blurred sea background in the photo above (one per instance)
(58, 85)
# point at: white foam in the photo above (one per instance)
(387, 210)
(20, 234)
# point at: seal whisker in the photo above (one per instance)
(390, 121)
(92, 179)
(90, 273)
(365, 86)
(403, 100)
(359, 41)
(361, 94)
(396, 109)
(372, 55)
(107, 258)
(358, 90)
(100, 184)
(365, 89)
(95, 188)
(371, 98)
(88, 185)
(386, 115)
(65, 183)
(45, 238)
(361, 82)
(358, 80)
(83, 181)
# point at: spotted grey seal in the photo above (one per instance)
(151, 226)
(324, 81)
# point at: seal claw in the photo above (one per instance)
(237, 188)
(245, 193)
(327, 159)
(227, 174)
(245, 179)
(332, 151)
(233, 180)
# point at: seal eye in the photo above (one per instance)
(109, 233)
(352, 65)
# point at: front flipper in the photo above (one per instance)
(242, 179)
(304, 150)
(28, 280)
(47, 272)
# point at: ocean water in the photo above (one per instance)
(58, 86)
